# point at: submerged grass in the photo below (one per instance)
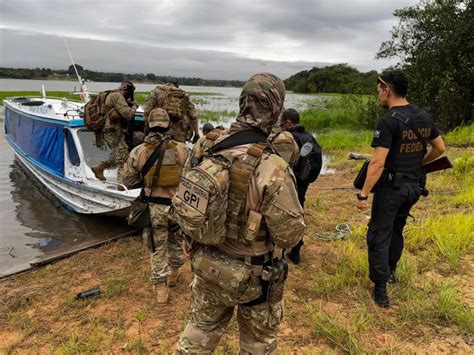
(213, 116)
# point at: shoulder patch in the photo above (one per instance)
(377, 133)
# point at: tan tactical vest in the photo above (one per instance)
(170, 169)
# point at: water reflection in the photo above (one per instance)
(38, 210)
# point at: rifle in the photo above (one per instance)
(440, 163)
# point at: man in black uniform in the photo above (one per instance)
(307, 168)
(396, 168)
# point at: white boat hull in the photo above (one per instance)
(72, 183)
(77, 197)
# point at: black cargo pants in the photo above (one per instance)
(390, 209)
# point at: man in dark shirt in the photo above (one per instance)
(307, 168)
(395, 170)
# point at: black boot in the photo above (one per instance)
(294, 254)
(380, 294)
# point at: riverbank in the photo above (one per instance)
(328, 305)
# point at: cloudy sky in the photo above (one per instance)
(214, 39)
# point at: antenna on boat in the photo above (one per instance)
(84, 92)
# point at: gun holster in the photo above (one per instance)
(275, 275)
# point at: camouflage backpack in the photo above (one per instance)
(93, 115)
(200, 203)
(174, 102)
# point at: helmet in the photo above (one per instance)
(158, 118)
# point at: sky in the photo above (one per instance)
(211, 39)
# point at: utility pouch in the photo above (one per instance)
(252, 226)
(139, 214)
(229, 274)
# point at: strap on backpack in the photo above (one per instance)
(239, 138)
(159, 154)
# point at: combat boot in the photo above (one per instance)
(380, 294)
(98, 170)
(161, 292)
(173, 278)
(295, 254)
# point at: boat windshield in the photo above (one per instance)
(92, 154)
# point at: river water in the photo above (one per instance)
(34, 226)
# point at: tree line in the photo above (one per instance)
(339, 78)
(46, 73)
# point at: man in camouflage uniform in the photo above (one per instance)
(270, 194)
(117, 117)
(181, 128)
(165, 250)
(199, 150)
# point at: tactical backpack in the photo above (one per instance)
(210, 202)
(310, 162)
(200, 203)
(174, 102)
(94, 115)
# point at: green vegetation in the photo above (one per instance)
(434, 41)
(70, 74)
(339, 78)
(343, 139)
(213, 116)
(461, 136)
(343, 111)
(65, 94)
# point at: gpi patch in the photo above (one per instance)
(193, 195)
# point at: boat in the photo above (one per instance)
(50, 140)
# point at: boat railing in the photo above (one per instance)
(42, 98)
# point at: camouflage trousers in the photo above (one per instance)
(211, 313)
(115, 141)
(165, 250)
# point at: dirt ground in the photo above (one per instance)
(38, 312)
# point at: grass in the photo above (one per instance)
(461, 136)
(337, 334)
(343, 139)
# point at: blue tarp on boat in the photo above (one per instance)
(41, 141)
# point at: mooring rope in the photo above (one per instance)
(342, 231)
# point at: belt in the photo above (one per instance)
(159, 200)
(255, 260)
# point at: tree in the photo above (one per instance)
(435, 43)
(72, 72)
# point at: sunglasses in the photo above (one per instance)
(381, 81)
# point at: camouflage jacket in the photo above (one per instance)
(117, 110)
(286, 146)
(139, 155)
